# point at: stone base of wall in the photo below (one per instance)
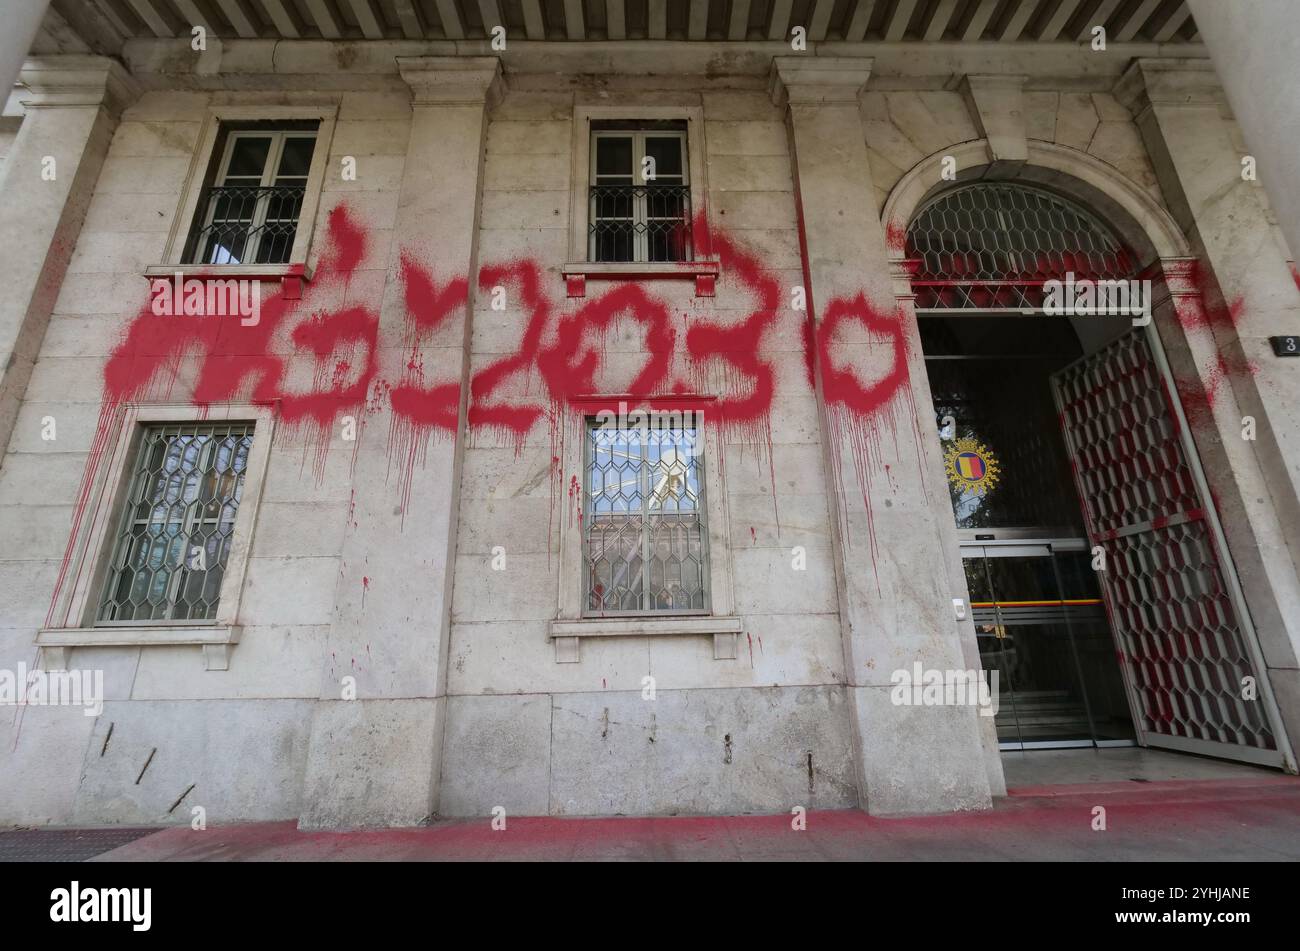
(240, 760)
(687, 752)
(376, 763)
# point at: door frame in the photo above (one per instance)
(1029, 543)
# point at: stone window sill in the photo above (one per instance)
(703, 273)
(568, 634)
(291, 276)
(216, 641)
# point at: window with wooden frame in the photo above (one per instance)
(639, 202)
(252, 201)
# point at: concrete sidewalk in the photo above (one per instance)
(1256, 819)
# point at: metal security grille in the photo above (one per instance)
(249, 213)
(1185, 641)
(247, 225)
(645, 544)
(178, 519)
(991, 246)
(640, 223)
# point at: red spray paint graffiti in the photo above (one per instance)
(419, 410)
(564, 353)
(858, 412)
(1207, 312)
(239, 360)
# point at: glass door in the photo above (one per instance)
(1041, 627)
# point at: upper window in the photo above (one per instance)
(178, 519)
(644, 538)
(249, 209)
(640, 201)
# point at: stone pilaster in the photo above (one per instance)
(893, 534)
(22, 22)
(375, 759)
(72, 107)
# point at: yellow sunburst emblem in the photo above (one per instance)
(971, 466)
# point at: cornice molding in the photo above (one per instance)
(452, 80)
(800, 80)
(77, 80)
(1168, 82)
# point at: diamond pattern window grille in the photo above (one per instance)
(177, 523)
(249, 213)
(991, 246)
(248, 225)
(645, 545)
(640, 223)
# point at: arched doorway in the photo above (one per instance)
(1100, 585)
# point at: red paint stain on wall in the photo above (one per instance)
(1206, 311)
(421, 410)
(896, 237)
(561, 354)
(859, 412)
(512, 421)
(244, 362)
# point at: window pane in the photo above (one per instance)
(667, 153)
(231, 209)
(241, 221)
(615, 475)
(228, 249)
(248, 157)
(613, 242)
(295, 160)
(279, 225)
(631, 220)
(612, 201)
(644, 531)
(666, 240)
(614, 155)
(177, 523)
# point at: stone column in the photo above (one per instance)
(1256, 48)
(1239, 292)
(22, 22)
(893, 532)
(73, 104)
(375, 759)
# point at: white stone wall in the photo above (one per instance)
(762, 732)
(905, 127)
(244, 744)
(549, 746)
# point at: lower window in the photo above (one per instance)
(645, 547)
(177, 523)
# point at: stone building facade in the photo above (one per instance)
(366, 554)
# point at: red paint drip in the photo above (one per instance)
(238, 361)
(419, 411)
(858, 411)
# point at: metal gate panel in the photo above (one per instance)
(1184, 638)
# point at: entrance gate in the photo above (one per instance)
(1028, 403)
(1191, 661)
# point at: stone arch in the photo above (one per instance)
(1143, 224)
